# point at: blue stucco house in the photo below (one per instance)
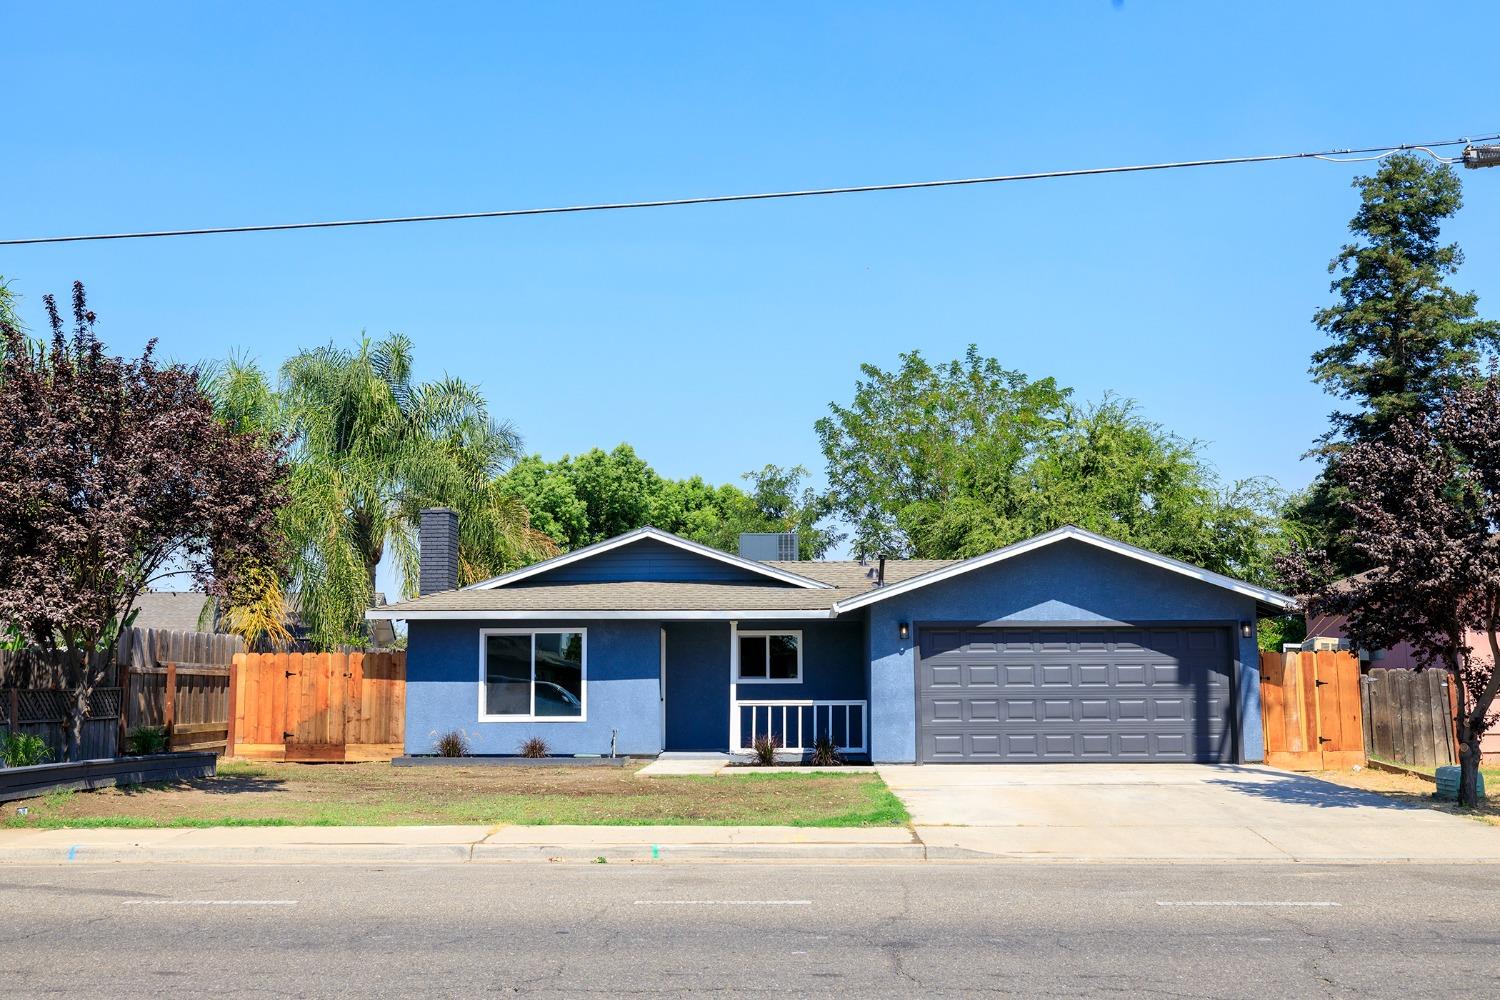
(1065, 647)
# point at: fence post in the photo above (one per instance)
(123, 723)
(169, 711)
(234, 677)
(15, 709)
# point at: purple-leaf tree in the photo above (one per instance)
(1424, 504)
(113, 474)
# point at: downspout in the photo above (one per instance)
(734, 688)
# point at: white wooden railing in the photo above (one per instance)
(798, 724)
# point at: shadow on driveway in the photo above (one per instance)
(1300, 790)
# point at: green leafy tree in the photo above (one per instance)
(974, 457)
(371, 447)
(585, 499)
(918, 442)
(8, 315)
(1399, 336)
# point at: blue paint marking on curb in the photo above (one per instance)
(655, 853)
(72, 852)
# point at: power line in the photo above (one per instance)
(1330, 155)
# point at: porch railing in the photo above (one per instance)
(799, 724)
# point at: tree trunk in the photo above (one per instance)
(77, 712)
(1468, 775)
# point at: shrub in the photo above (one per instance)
(534, 747)
(765, 748)
(23, 750)
(144, 740)
(453, 743)
(826, 752)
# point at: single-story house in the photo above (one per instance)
(1068, 646)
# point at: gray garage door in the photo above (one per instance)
(1104, 694)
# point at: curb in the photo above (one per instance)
(430, 854)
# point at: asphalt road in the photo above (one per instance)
(748, 930)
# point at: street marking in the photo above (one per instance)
(723, 902)
(1246, 902)
(210, 902)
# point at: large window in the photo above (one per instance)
(771, 657)
(532, 674)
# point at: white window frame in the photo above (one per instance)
(583, 699)
(739, 674)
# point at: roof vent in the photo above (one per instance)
(769, 546)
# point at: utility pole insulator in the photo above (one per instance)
(1481, 156)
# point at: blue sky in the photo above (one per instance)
(711, 338)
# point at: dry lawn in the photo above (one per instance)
(1416, 791)
(267, 794)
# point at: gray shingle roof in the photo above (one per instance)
(846, 579)
(171, 609)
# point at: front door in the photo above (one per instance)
(697, 686)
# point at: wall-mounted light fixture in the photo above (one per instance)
(1245, 630)
(904, 630)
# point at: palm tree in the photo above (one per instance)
(370, 449)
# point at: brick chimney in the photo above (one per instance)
(438, 546)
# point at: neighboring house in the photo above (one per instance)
(1398, 657)
(184, 610)
(1066, 647)
(175, 609)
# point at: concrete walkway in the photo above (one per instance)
(457, 844)
(1166, 812)
(671, 767)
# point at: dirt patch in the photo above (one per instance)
(379, 794)
(1416, 791)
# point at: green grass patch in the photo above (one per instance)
(274, 794)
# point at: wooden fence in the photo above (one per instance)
(1409, 716)
(44, 713)
(318, 706)
(348, 705)
(1311, 710)
(179, 680)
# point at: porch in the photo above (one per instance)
(726, 684)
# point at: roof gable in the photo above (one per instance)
(1266, 597)
(649, 554)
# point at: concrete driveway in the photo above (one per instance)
(1114, 812)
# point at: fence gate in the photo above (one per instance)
(1311, 710)
(318, 706)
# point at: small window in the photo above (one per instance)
(532, 675)
(771, 657)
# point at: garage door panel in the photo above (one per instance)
(947, 675)
(984, 711)
(1080, 694)
(1093, 675)
(983, 675)
(1057, 674)
(1093, 709)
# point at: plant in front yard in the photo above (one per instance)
(826, 752)
(116, 473)
(764, 749)
(23, 750)
(144, 740)
(536, 747)
(453, 743)
(1424, 503)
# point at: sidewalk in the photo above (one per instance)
(457, 844)
(1467, 842)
